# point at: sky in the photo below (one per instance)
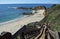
(29, 1)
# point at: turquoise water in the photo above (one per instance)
(9, 11)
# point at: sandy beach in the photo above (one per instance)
(14, 25)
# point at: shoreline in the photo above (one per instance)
(13, 20)
(14, 25)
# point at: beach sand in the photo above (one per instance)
(14, 25)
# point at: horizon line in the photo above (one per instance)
(29, 3)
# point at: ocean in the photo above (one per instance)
(9, 11)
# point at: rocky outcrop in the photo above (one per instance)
(38, 7)
(23, 8)
(27, 13)
(33, 8)
(6, 35)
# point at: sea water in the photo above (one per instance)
(9, 11)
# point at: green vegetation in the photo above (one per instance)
(53, 16)
(18, 37)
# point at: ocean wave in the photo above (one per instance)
(12, 7)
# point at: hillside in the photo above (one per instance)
(53, 16)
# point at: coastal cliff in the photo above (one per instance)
(33, 8)
(53, 17)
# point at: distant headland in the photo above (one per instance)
(34, 9)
